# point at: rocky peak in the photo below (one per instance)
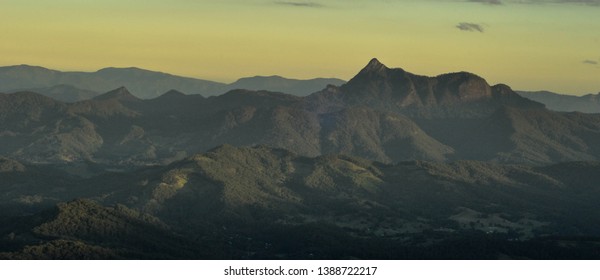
(374, 66)
(121, 94)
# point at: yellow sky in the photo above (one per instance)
(540, 45)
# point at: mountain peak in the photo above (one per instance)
(24, 67)
(124, 69)
(120, 93)
(171, 95)
(374, 66)
(374, 69)
(375, 61)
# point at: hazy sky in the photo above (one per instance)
(528, 44)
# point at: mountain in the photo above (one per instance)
(143, 83)
(265, 203)
(398, 165)
(281, 84)
(120, 94)
(64, 93)
(382, 114)
(448, 95)
(261, 183)
(101, 233)
(147, 130)
(149, 84)
(78, 86)
(460, 110)
(589, 103)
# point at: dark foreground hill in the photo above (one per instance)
(269, 203)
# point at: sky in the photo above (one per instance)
(527, 44)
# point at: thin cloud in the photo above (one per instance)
(471, 27)
(489, 2)
(299, 4)
(588, 61)
(587, 2)
(541, 2)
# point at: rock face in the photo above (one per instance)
(378, 86)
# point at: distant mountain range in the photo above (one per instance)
(145, 84)
(285, 85)
(77, 86)
(589, 103)
(382, 114)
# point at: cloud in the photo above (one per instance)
(472, 27)
(299, 4)
(588, 61)
(489, 2)
(501, 2)
(588, 2)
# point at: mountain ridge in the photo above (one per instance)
(383, 114)
(397, 89)
(145, 84)
(589, 103)
(400, 166)
(260, 202)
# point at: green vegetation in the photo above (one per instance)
(382, 114)
(269, 203)
(388, 165)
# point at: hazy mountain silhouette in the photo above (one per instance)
(144, 83)
(77, 86)
(64, 93)
(589, 103)
(281, 84)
